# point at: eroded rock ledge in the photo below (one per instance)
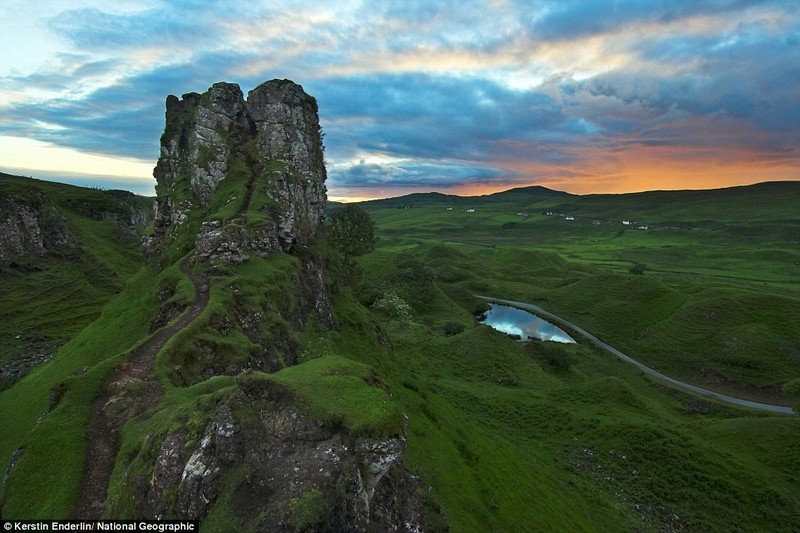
(301, 474)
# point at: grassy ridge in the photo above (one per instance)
(715, 304)
(58, 295)
(591, 445)
(45, 414)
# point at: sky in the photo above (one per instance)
(593, 96)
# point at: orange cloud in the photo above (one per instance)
(641, 168)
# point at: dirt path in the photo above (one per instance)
(646, 369)
(116, 406)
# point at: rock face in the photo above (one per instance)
(271, 142)
(31, 227)
(34, 223)
(300, 476)
(240, 178)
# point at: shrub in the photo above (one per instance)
(452, 327)
(638, 269)
(393, 307)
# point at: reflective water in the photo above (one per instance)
(515, 321)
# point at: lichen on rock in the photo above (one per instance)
(220, 136)
(293, 462)
(31, 226)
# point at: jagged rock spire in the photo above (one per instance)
(213, 136)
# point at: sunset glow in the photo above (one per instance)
(584, 97)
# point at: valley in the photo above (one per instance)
(247, 369)
(649, 371)
(713, 307)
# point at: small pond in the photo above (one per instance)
(515, 321)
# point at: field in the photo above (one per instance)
(717, 294)
(509, 436)
(543, 436)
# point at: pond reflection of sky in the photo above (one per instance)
(515, 321)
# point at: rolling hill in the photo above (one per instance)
(244, 373)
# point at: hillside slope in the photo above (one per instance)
(251, 377)
(64, 252)
(217, 386)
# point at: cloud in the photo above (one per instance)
(412, 173)
(175, 24)
(431, 92)
(571, 19)
(421, 115)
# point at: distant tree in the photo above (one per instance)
(638, 269)
(553, 354)
(452, 327)
(414, 281)
(352, 231)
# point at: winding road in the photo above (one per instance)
(646, 369)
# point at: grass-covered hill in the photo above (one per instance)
(717, 295)
(66, 251)
(708, 293)
(500, 435)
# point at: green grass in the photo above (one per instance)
(54, 440)
(58, 295)
(535, 453)
(598, 446)
(714, 306)
(506, 440)
(339, 392)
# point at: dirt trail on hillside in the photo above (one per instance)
(130, 392)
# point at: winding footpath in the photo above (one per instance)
(117, 405)
(646, 369)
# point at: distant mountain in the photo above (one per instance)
(520, 195)
(414, 199)
(527, 194)
(768, 200)
(761, 201)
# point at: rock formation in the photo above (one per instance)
(270, 143)
(31, 226)
(240, 180)
(301, 475)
